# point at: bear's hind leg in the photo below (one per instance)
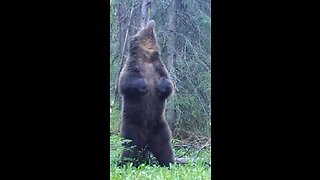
(134, 149)
(160, 147)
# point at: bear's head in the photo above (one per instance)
(144, 44)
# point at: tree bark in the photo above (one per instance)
(171, 114)
(122, 19)
(144, 12)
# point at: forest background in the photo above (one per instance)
(184, 33)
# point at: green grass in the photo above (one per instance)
(189, 171)
(199, 170)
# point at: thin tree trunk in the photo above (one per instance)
(171, 114)
(135, 21)
(144, 12)
(122, 45)
(121, 14)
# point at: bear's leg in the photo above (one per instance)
(160, 147)
(135, 149)
(130, 154)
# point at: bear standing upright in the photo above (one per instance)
(145, 85)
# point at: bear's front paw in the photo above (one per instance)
(141, 85)
(164, 87)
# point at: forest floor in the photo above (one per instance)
(200, 169)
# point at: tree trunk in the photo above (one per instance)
(135, 22)
(121, 14)
(144, 12)
(171, 114)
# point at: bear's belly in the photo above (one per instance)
(152, 109)
(144, 110)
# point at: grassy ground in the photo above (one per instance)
(189, 171)
(198, 170)
(193, 170)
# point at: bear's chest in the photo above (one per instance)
(151, 75)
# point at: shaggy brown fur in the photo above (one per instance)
(145, 85)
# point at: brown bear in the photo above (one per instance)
(145, 85)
